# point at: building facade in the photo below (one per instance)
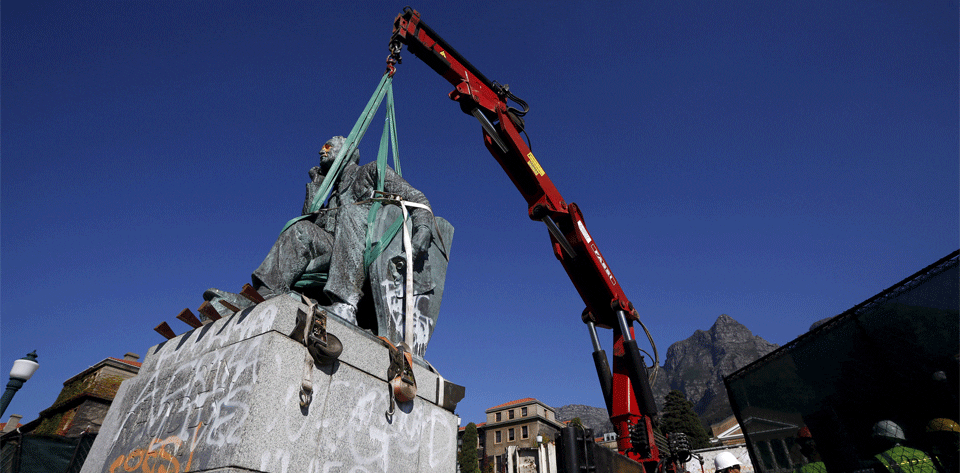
(85, 399)
(520, 436)
(727, 432)
(60, 439)
(816, 402)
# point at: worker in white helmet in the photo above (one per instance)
(725, 462)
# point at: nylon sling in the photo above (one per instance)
(373, 249)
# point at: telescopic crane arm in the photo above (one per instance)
(486, 100)
(627, 390)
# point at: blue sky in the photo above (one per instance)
(779, 162)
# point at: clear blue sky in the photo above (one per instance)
(779, 162)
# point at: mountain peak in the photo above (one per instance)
(696, 366)
(725, 321)
(727, 331)
(725, 318)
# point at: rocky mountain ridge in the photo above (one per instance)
(696, 367)
(594, 418)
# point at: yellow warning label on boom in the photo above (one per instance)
(534, 165)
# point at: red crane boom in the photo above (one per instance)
(627, 390)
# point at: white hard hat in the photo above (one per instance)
(888, 429)
(725, 460)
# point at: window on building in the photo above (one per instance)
(497, 434)
(510, 414)
(523, 412)
(780, 453)
(766, 454)
(510, 435)
(524, 433)
(498, 417)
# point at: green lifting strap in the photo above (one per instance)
(310, 280)
(372, 249)
(375, 248)
(349, 146)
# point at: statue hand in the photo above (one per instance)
(421, 240)
(315, 175)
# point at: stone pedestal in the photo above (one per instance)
(225, 398)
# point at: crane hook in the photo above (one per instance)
(394, 57)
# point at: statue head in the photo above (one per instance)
(330, 149)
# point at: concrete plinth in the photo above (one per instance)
(225, 397)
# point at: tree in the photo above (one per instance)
(487, 465)
(468, 451)
(576, 422)
(678, 416)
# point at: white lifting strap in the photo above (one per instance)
(408, 250)
(306, 382)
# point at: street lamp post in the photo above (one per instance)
(22, 370)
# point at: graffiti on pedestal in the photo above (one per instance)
(203, 399)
